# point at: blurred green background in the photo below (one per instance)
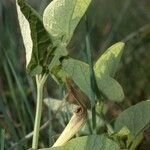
(110, 21)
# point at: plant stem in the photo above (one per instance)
(102, 117)
(2, 139)
(40, 80)
(92, 79)
(94, 120)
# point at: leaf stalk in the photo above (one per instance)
(40, 80)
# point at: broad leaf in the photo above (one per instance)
(62, 16)
(36, 39)
(92, 142)
(136, 118)
(79, 72)
(107, 64)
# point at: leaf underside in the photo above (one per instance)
(37, 41)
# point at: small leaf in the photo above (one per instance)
(92, 142)
(123, 132)
(36, 39)
(110, 88)
(136, 118)
(107, 64)
(62, 16)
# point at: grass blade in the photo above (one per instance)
(2, 139)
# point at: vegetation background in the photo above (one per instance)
(110, 21)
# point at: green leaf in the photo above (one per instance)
(136, 118)
(79, 72)
(92, 142)
(122, 132)
(36, 39)
(110, 88)
(105, 68)
(62, 16)
(107, 64)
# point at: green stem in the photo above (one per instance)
(92, 78)
(109, 127)
(40, 80)
(102, 117)
(94, 120)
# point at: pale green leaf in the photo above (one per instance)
(136, 118)
(122, 132)
(62, 16)
(36, 39)
(79, 72)
(92, 142)
(110, 88)
(107, 63)
(26, 34)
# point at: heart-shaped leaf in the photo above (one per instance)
(62, 16)
(60, 19)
